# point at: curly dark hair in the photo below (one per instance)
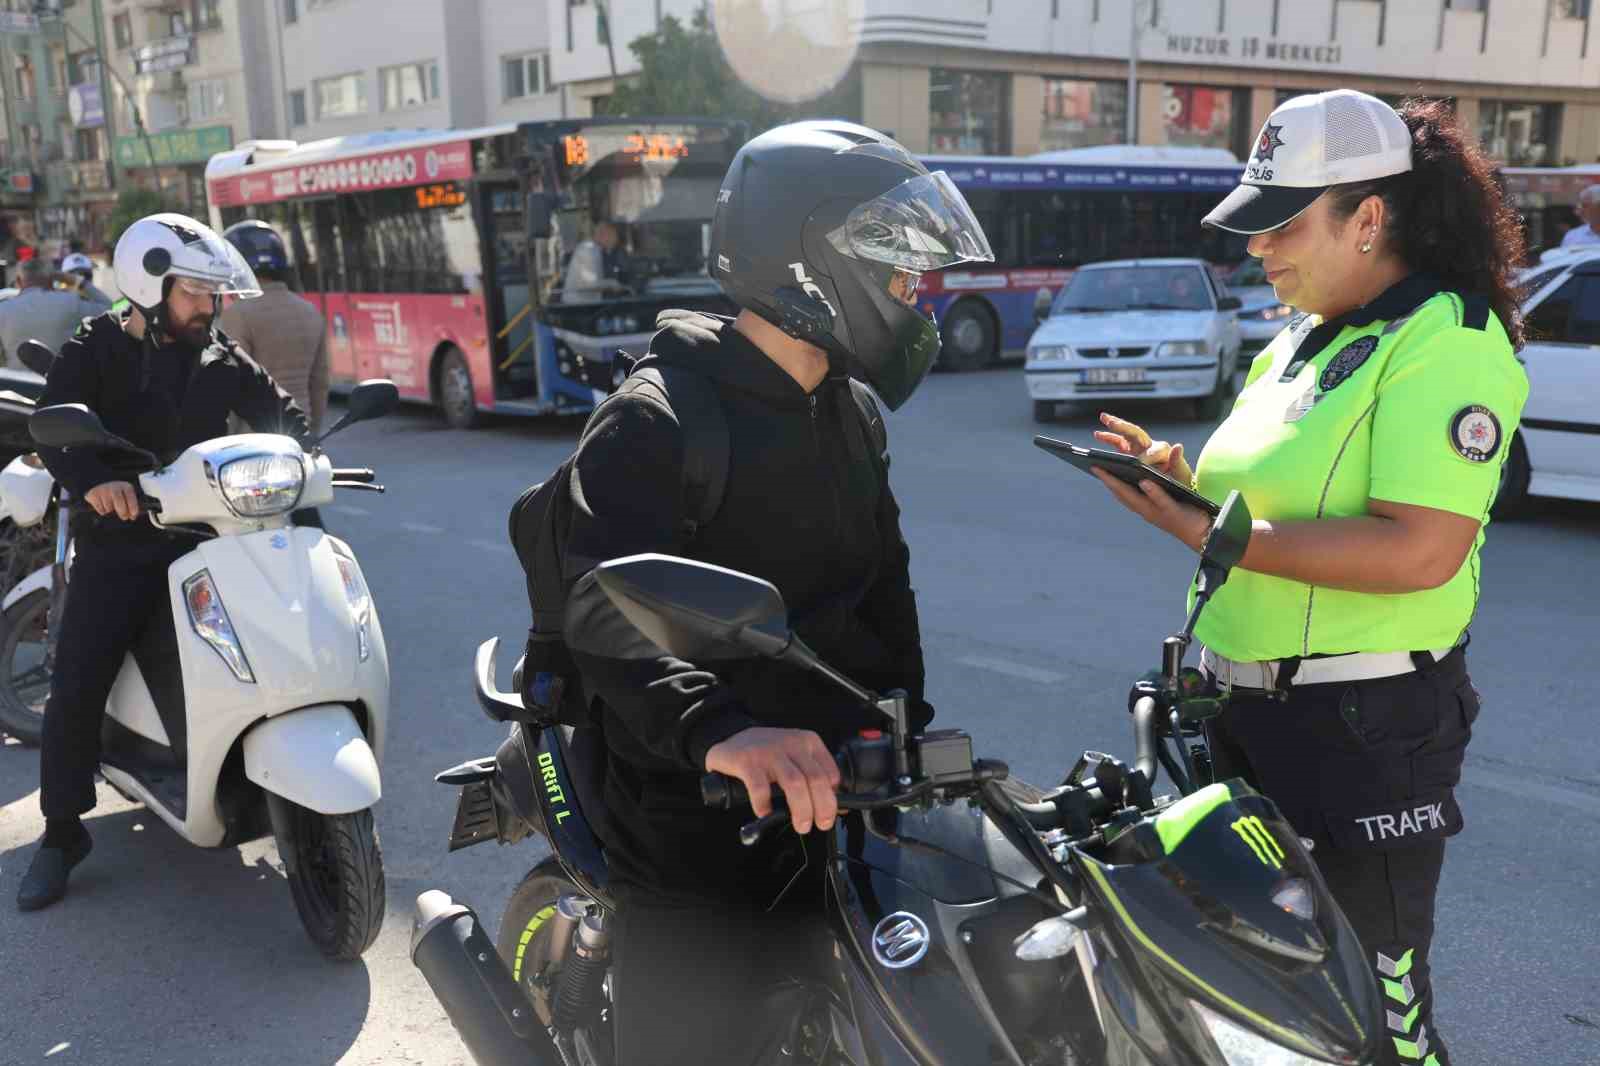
(1448, 216)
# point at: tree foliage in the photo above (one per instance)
(133, 203)
(684, 72)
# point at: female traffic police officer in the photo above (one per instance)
(1368, 441)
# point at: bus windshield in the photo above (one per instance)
(634, 214)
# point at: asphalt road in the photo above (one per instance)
(1040, 601)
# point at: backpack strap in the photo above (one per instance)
(693, 401)
(872, 416)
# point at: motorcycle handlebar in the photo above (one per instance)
(363, 474)
(1144, 737)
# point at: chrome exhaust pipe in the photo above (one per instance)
(490, 1013)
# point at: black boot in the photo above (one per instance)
(46, 880)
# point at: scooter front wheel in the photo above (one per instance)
(335, 872)
(25, 662)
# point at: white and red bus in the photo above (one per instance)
(1047, 214)
(490, 270)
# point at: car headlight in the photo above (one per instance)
(1268, 314)
(1182, 348)
(1049, 354)
(259, 486)
(360, 601)
(1241, 1047)
(209, 620)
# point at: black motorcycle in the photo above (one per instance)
(972, 919)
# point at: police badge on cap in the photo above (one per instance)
(1309, 143)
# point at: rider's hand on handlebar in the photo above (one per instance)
(795, 760)
(115, 497)
(1130, 439)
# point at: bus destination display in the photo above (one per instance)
(441, 194)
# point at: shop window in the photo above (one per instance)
(968, 112)
(1206, 116)
(1080, 114)
(1520, 133)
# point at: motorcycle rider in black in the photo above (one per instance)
(163, 379)
(820, 234)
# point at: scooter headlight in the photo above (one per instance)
(210, 622)
(360, 600)
(259, 486)
(1241, 1047)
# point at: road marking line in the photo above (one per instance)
(489, 546)
(419, 527)
(1011, 669)
(345, 508)
(1521, 786)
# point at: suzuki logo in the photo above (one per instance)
(899, 940)
(809, 284)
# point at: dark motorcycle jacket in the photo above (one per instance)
(164, 400)
(807, 507)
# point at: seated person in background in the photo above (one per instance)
(597, 266)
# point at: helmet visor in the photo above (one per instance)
(921, 224)
(212, 266)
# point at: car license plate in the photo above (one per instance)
(1114, 376)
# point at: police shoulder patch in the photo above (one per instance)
(1475, 433)
(1346, 362)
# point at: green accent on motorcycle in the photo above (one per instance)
(1175, 823)
(1284, 1036)
(527, 936)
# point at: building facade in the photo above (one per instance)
(56, 182)
(200, 73)
(351, 66)
(1014, 77)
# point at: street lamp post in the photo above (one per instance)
(1133, 72)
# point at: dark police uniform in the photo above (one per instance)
(1353, 710)
(163, 400)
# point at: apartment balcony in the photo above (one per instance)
(82, 176)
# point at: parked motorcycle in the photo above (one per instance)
(27, 543)
(272, 716)
(971, 919)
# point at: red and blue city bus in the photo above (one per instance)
(495, 270)
(1045, 215)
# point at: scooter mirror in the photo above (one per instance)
(373, 398)
(1230, 534)
(67, 425)
(695, 610)
(36, 356)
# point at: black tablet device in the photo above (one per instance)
(1124, 468)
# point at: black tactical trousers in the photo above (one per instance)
(116, 591)
(1367, 771)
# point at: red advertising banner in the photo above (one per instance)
(380, 170)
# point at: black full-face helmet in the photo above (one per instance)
(824, 228)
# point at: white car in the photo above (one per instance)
(1555, 450)
(1262, 315)
(1157, 329)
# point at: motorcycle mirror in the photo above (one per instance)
(695, 610)
(371, 399)
(72, 425)
(1226, 543)
(36, 356)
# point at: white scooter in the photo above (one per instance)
(270, 716)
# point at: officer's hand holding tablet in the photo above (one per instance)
(1368, 441)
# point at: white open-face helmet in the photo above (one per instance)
(168, 245)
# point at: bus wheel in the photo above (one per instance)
(968, 338)
(455, 393)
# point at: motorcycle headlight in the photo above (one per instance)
(360, 600)
(209, 619)
(1182, 348)
(1241, 1047)
(259, 486)
(1049, 354)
